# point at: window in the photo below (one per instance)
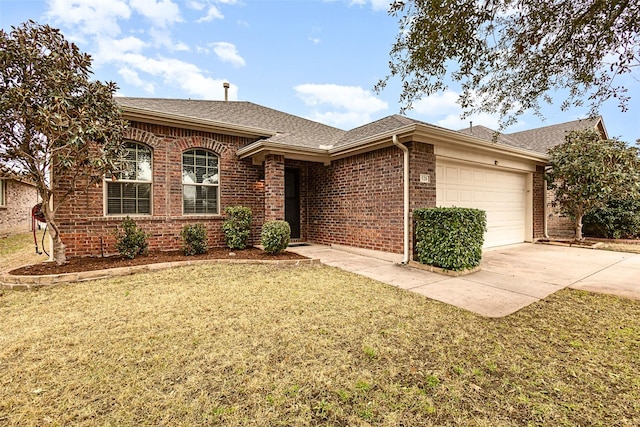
(2, 192)
(131, 192)
(199, 182)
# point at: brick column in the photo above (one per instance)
(273, 187)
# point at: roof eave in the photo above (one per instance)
(170, 119)
(260, 149)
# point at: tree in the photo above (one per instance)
(586, 172)
(508, 55)
(54, 119)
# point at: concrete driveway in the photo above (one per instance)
(511, 277)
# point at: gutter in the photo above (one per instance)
(405, 150)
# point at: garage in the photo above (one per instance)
(502, 194)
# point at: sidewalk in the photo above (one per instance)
(511, 277)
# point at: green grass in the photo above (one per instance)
(258, 345)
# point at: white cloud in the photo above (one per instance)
(196, 5)
(160, 12)
(439, 104)
(315, 40)
(162, 37)
(341, 106)
(227, 52)
(442, 109)
(92, 17)
(375, 4)
(212, 13)
(132, 78)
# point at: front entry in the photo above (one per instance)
(292, 200)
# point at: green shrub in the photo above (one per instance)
(131, 240)
(450, 238)
(620, 219)
(237, 226)
(194, 239)
(275, 236)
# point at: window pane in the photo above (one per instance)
(200, 167)
(2, 192)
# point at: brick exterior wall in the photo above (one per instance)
(273, 187)
(538, 202)
(15, 215)
(422, 160)
(559, 226)
(357, 201)
(87, 231)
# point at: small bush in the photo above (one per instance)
(131, 240)
(619, 220)
(450, 238)
(194, 239)
(237, 226)
(275, 236)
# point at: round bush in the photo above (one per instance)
(131, 241)
(237, 226)
(275, 236)
(194, 239)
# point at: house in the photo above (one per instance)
(190, 159)
(17, 198)
(541, 140)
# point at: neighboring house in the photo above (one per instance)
(192, 159)
(541, 140)
(17, 198)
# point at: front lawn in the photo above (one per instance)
(259, 345)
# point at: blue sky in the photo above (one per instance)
(312, 58)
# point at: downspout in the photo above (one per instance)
(405, 150)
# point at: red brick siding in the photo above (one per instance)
(538, 202)
(82, 220)
(273, 187)
(15, 215)
(559, 226)
(357, 201)
(422, 160)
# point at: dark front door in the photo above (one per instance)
(292, 201)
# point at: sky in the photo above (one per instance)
(317, 59)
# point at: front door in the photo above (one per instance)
(292, 201)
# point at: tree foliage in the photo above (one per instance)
(54, 118)
(586, 172)
(508, 55)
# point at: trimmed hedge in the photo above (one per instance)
(194, 239)
(275, 236)
(450, 238)
(237, 226)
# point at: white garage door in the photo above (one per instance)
(501, 194)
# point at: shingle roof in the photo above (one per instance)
(544, 138)
(287, 128)
(386, 124)
(538, 139)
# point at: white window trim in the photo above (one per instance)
(108, 180)
(216, 186)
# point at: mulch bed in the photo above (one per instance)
(78, 264)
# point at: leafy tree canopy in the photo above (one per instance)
(54, 118)
(508, 55)
(586, 172)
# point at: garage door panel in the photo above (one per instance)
(502, 195)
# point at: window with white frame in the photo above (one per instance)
(200, 182)
(130, 192)
(3, 192)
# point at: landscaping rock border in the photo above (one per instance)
(19, 282)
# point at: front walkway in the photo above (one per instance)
(511, 277)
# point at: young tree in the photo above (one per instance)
(586, 172)
(508, 55)
(54, 119)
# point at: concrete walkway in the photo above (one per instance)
(511, 277)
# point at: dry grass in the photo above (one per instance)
(19, 250)
(256, 345)
(622, 247)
